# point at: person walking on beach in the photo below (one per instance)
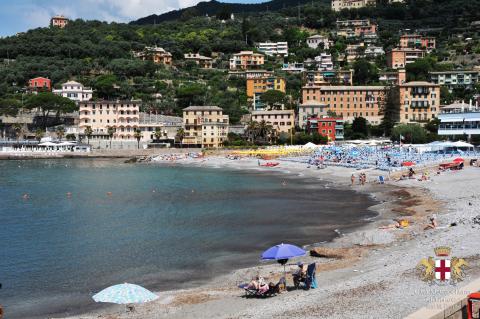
(352, 178)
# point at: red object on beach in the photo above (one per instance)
(473, 305)
(270, 164)
(458, 160)
(408, 163)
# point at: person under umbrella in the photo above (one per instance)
(282, 253)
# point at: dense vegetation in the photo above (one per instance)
(99, 54)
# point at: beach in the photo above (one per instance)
(367, 273)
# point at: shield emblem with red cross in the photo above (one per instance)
(442, 269)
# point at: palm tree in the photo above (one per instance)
(39, 133)
(138, 136)
(88, 133)
(111, 131)
(18, 129)
(252, 131)
(180, 135)
(265, 130)
(60, 132)
(158, 133)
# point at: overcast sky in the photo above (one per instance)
(21, 15)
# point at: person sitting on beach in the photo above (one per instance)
(411, 172)
(432, 224)
(300, 274)
(259, 284)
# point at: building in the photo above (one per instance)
(246, 60)
(317, 40)
(39, 84)
(330, 127)
(273, 48)
(155, 54)
(123, 116)
(322, 62)
(419, 102)
(293, 67)
(283, 121)
(373, 51)
(416, 41)
(202, 61)
(250, 74)
(334, 77)
(394, 78)
(59, 21)
(338, 5)
(256, 87)
(309, 110)
(75, 91)
(205, 126)
(354, 52)
(168, 127)
(459, 120)
(398, 58)
(455, 78)
(348, 102)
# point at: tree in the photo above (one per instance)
(190, 94)
(70, 137)
(138, 136)
(110, 132)
(49, 103)
(39, 133)
(158, 133)
(18, 129)
(273, 98)
(412, 133)
(88, 133)
(390, 109)
(9, 107)
(360, 127)
(364, 72)
(60, 131)
(179, 136)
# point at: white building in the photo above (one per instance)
(273, 48)
(322, 62)
(373, 51)
(315, 40)
(459, 120)
(75, 91)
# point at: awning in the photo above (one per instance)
(452, 119)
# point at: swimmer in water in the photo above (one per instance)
(109, 193)
(69, 194)
(25, 196)
(284, 183)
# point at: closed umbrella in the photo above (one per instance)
(124, 294)
(282, 253)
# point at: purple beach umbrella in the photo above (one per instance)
(281, 253)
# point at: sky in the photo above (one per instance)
(22, 15)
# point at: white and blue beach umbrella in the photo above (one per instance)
(125, 294)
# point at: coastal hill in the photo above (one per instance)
(214, 7)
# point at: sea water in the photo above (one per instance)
(86, 224)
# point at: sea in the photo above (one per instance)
(72, 227)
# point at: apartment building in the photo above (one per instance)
(250, 74)
(273, 48)
(205, 126)
(317, 40)
(398, 58)
(39, 84)
(455, 78)
(123, 116)
(283, 121)
(334, 77)
(202, 61)
(357, 27)
(338, 5)
(354, 52)
(155, 54)
(246, 60)
(256, 87)
(309, 110)
(348, 102)
(59, 21)
(75, 91)
(322, 62)
(459, 120)
(394, 78)
(416, 41)
(419, 101)
(374, 51)
(168, 126)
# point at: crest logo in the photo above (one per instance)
(443, 269)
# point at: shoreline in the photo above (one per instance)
(354, 244)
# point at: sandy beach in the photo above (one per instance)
(369, 273)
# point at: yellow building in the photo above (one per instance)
(246, 60)
(256, 87)
(419, 102)
(205, 126)
(155, 54)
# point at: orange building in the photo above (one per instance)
(416, 41)
(247, 60)
(398, 58)
(59, 21)
(349, 102)
(155, 54)
(39, 84)
(419, 101)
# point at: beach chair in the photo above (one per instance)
(311, 281)
(273, 289)
(381, 179)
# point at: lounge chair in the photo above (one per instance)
(273, 289)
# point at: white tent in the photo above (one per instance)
(462, 144)
(310, 145)
(48, 144)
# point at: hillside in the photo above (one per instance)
(214, 7)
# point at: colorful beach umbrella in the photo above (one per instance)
(458, 160)
(124, 294)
